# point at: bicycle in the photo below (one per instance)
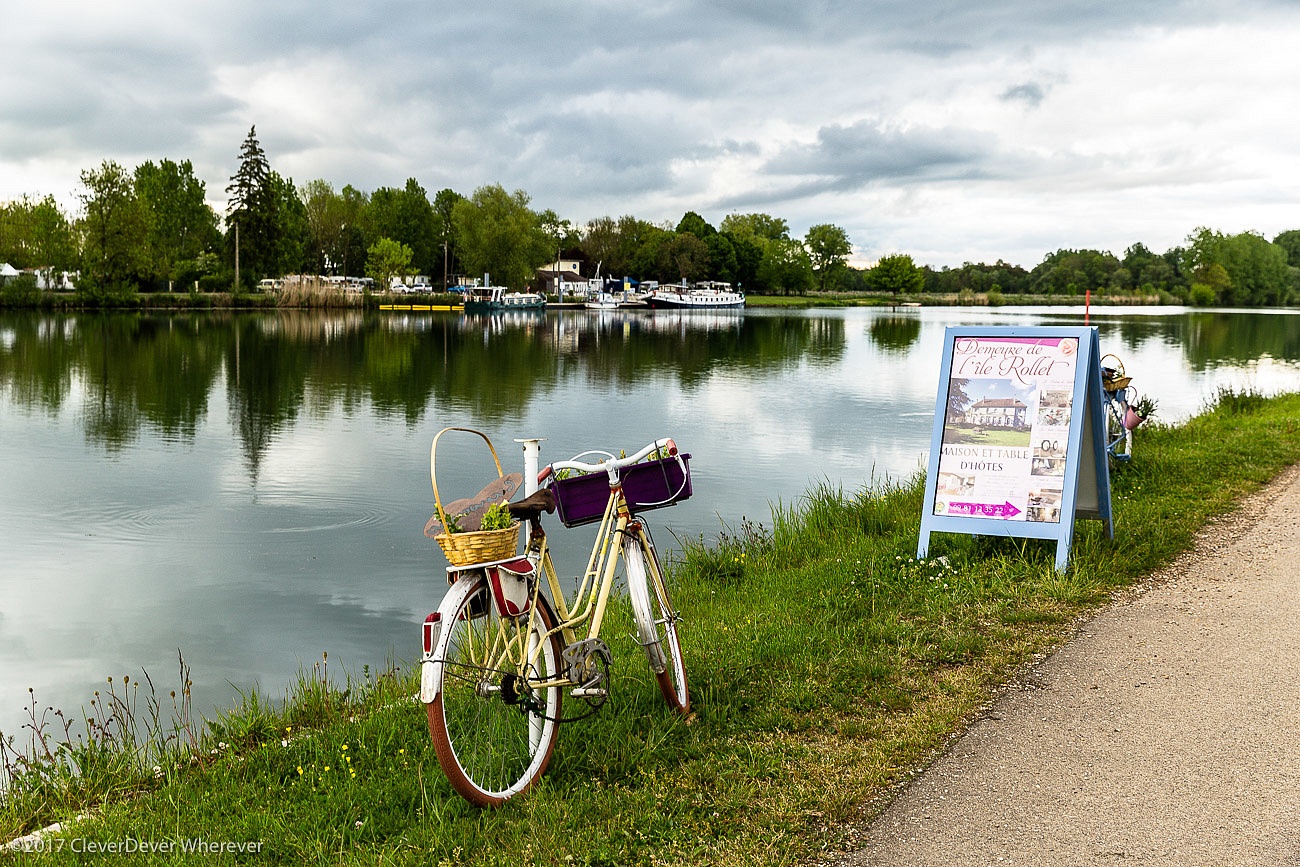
(500, 654)
(1119, 433)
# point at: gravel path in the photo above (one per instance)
(1167, 731)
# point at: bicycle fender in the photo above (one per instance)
(431, 662)
(430, 677)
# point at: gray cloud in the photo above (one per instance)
(597, 106)
(850, 157)
(1032, 93)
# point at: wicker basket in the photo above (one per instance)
(479, 546)
(1112, 374)
(474, 546)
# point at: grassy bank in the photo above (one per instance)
(962, 299)
(826, 665)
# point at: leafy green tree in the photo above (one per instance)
(723, 262)
(564, 240)
(112, 229)
(756, 226)
(1289, 241)
(897, 274)
(625, 247)
(752, 236)
(179, 223)
(1210, 286)
(406, 215)
(748, 254)
(828, 249)
(500, 235)
(54, 243)
(1147, 270)
(693, 224)
(1257, 270)
(387, 259)
(290, 230)
(600, 243)
(786, 268)
(644, 255)
(958, 400)
(977, 277)
(443, 205)
(326, 223)
(681, 256)
(1073, 272)
(352, 244)
(36, 234)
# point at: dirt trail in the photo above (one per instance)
(1167, 731)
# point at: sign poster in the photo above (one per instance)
(1006, 428)
(1018, 447)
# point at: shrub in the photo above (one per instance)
(1201, 295)
(20, 292)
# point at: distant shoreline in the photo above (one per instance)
(257, 301)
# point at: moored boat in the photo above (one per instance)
(489, 298)
(601, 301)
(702, 296)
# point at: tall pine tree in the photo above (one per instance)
(250, 215)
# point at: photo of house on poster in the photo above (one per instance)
(1006, 428)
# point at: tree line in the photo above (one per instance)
(151, 229)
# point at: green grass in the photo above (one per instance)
(826, 664)
(815, 301)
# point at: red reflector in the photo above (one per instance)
(431, 631)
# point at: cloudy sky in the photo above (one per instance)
(951, 131)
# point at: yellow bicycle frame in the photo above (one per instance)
(597, 581)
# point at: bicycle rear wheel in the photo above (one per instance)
(492, 727)
(656, 621)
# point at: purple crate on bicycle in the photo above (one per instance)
(651, 485)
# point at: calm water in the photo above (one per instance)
(250, 489)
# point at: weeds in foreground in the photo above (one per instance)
(123, 742)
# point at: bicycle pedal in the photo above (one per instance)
(588, 692)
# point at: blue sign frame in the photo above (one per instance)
(1085, 488)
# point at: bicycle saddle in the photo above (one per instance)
(530, 508)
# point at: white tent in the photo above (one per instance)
(7, 270)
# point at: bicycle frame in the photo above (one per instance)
(592, 596)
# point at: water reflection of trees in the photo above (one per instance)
(1210, 339)
(895, 333)
(126, 371)
(1213, 338)
(130, 372)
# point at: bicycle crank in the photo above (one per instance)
(588, 662)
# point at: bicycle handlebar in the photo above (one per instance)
(611, 464)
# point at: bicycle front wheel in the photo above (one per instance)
(1119, 439)
(656, 621)
(493, 720)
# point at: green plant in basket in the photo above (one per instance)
(451, 523)
(497, 517)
